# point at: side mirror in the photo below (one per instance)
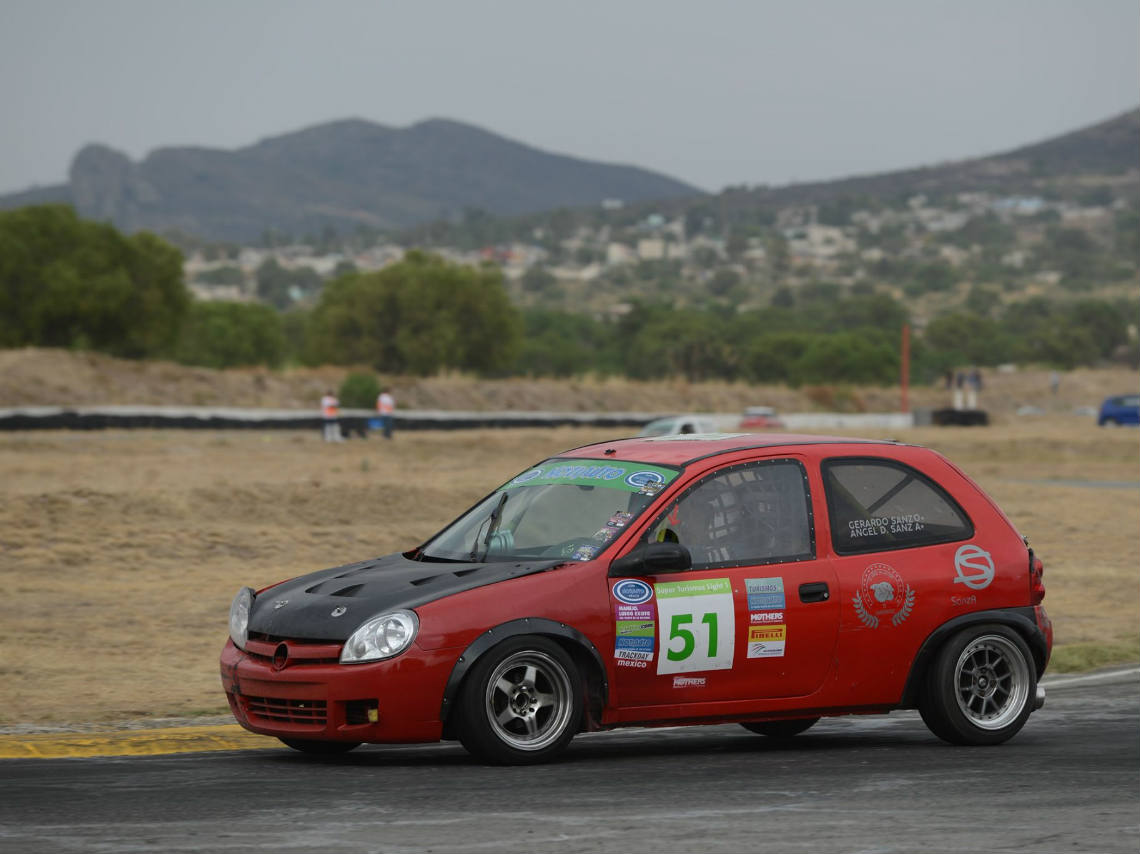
(652, 558)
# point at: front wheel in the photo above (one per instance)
(521, 703)
(780, 730)
(320, 748)
(981, 687)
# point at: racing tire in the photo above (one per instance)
(320, 748)
(780, 730)
(980, 688)
(521, 704)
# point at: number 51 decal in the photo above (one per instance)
(701, 625)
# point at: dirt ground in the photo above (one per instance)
(120, 550)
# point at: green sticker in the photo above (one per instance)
(626, 476)
(635, 628)
(702, 587)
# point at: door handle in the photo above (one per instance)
(814, 591)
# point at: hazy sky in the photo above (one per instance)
(712, 92)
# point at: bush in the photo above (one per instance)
(359, 391)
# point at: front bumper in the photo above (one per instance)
(392, 701)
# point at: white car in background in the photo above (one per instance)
(680, 424)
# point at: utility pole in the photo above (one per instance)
(905, 367)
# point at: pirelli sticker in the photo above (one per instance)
(767, 641)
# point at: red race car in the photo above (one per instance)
(763, 580)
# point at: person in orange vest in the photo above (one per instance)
(329, 412)
(386, 407)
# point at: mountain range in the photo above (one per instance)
(342, 175)
(354, 173)
(1107, 148)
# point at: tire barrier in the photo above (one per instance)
(960, 417)
(352, 422)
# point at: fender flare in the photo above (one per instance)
(1021, 620)
(514, 628)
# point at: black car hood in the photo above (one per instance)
(303, 608)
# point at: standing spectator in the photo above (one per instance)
(386, 407)
(1054, 382)
(329, 412)
(975, 386)
(959, 385)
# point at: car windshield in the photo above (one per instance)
(660, 427)
(561, 508)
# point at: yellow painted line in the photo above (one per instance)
(138, 742)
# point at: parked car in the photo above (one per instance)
(761, 418)
(678, 580)
(1122, 409)
(679, 425)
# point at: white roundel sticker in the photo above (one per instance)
(632, 591)
(645, 478)
(974, 566)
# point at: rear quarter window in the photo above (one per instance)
(879, 505)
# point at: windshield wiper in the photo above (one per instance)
(492, 527)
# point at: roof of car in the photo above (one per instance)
(685, 448)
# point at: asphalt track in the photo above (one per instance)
(1069, 782)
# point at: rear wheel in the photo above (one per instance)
(981, 687)
(320, 748)
(781, 730)
(521, 703)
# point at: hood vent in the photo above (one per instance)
(425, 580)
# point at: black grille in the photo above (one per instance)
(313, 712)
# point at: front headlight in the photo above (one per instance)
(239, 617)
(381, 637)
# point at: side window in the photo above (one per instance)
(747, 514)
(876, 505)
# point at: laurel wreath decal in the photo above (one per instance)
(869, 620)
(907, 607)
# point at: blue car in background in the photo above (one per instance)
(1124, 409)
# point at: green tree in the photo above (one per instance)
(778, 254)
(772, 358)
(538, 280)
(847, 357)
(67, 282)
(723, 281)
(282, 287)
(561, 344)
(231, 334)
(225, 275)
(931, 276)
(419, 316)
(967, 338)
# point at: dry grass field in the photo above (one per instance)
(34, 377)
(120, 551)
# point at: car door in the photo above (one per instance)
(753, 618)
(903, 568)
